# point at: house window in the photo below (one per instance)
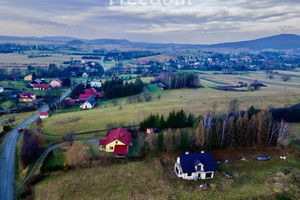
(116, 142)
(208, 175)
(111, 148)
(199, 168)
(189, 174)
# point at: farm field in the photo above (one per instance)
(22, 61)
(148, 179)
(191, 100)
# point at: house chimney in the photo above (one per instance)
(202, 151)
(186, 152)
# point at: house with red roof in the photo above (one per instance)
(55, 83)
(68, 102)
(44, 115)
(84, 97)
(117, 141)
(94, 92)
(41, 86)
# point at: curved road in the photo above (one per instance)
(7, 169)
(39, 162)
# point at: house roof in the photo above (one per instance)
(27, 94)
(85, 96)
(57, 80)
(69, 102)
(188, 161)
(44, 114)
(121, 149)
(118, 134)
(92, 91)
(91, 100)
(102, 141)
(38, 81)
(43, 86)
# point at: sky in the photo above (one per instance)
(159, 21)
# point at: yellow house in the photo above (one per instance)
(118, 142)
(28, 78)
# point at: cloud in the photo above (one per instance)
(201, 22)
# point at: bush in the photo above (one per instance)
(6, 128)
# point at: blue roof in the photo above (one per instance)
(187, 162)
(91, 100)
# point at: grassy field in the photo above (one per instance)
(191, 100)
(149, 180)
(19, 117)
(21, 61)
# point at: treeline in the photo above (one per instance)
(116, 88)
(31, 148)
(179, 80)
(175, 119)
(252, 128)
(289, 114)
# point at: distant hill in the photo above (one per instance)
(283, 41)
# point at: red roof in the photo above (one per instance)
(26, 94)
(43, 114)
(69, 102)
(120, 149)
(118, 134)
(57, 80)
(92, 91)
(42, 86)
(102, 142)
(85, 96)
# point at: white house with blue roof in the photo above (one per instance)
(194, 166)
(88, 104)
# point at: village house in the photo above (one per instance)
(118, 142)
(85, 75)
(68, 102)
(94, 92)
(41, 86)
(1, 89)
(88, 104)
(28, 77)
(44, 115)
(97, 84)
(36, 81)
(194, 166)
(55, 83)
(27, 97)
(161, 86)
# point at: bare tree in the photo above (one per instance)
(69, 137)
(233, 105)
(208, 116)
(152, 140)
(283, 130)
(167, 144)
(200, 135)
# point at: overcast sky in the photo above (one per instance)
(187, 21)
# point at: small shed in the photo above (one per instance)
(44, 115)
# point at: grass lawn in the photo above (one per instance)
(191, 100)
(54, 160)
(149, 180)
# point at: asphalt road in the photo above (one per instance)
(7, 169)
(39, 162)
